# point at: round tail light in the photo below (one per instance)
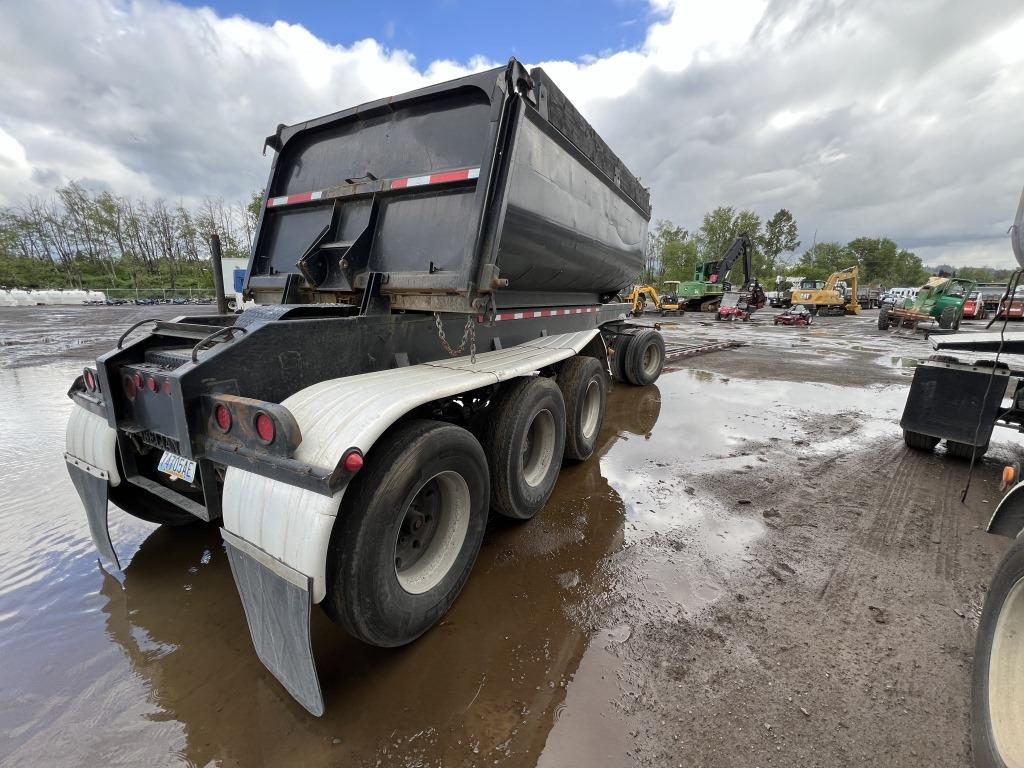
(137, 378)
(130, 387)
(354, 462)
(265, 427)
(152, 383)
(223, 417)
(90, 380)
(167, 386)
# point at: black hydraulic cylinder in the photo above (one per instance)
(218, 274)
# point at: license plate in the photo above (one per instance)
(177, 466)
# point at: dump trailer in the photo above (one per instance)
(434, 333)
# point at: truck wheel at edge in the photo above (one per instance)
(918, 441)
(585, 392)
(997, 710)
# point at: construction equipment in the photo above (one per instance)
(825, 298)
(665, 302)
(797, 315)
(434, 276)
(711, 278)
(670, 303)
(940, 300)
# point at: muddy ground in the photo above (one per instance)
(752, 571)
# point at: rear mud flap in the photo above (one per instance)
(92, 486)
(947, 403)
(277, 601)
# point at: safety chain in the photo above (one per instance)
(469, 334)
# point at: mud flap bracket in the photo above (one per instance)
(92, 484)
(277, 600)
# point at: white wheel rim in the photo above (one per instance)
(591, 409)
(538, 448)
(441, 552)
(1006, 679)
(652, 358)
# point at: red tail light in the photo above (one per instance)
(151, 382)
(90, 380)
(167, 386)
(223, 417)
(130, 387)
(265, 427)
(137, 378)
(354, 462)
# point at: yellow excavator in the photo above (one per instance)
(824, 298)
(665, 303)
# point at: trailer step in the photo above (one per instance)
(195, 331)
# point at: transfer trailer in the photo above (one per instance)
(962, 402)
(433, 336)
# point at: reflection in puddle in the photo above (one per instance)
(525, 668)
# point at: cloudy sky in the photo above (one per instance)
(903, 119)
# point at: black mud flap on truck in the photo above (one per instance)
(946, 401)
(277, 601)
(92, 486)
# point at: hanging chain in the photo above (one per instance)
(468, 335)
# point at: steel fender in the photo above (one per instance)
(90, 439)
(293, 525)
(1008, 519)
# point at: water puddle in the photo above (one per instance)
(155, 666)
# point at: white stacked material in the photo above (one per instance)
(6, 300)
(21, 298)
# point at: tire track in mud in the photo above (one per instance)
(877, 520)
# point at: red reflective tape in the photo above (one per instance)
(532, 314)
(399, 183)
(441, 178)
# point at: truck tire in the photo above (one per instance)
(919, 442)
(947, 318)
(645, 358)
(582, 381)
(617, 348)
(997, 719)
(883, 318)
(421, 495)
(524, 442)
(140, 503)
(965, 451)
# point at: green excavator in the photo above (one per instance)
(710, 278)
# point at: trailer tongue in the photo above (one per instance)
(434, 274)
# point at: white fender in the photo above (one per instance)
(293, 524)
(91, 440)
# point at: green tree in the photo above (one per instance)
(779, 237)
(822, 259)
(718, 231)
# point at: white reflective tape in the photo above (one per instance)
(417, 181)
(474, 173)
(278, 201)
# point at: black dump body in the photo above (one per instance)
(487, 191)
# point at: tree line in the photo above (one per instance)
(79, 238)
(673, 252)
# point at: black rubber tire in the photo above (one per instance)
(576, 377)
(505, 435)
(947, 318)
(140, 503)
(645, 343)
(919, 442)
(965, 451)
(1009, 574)
(883, 318)
(364, 594)
(617, 350)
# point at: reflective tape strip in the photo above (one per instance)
(301, 197)
(444, 177)
(532, 314)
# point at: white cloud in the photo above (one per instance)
(873, 117)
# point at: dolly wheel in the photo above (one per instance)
(524, 442)
(584, 390)
(997, 717)
(919, 442)
(645, 358)
(408, 532)
(965, 451)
